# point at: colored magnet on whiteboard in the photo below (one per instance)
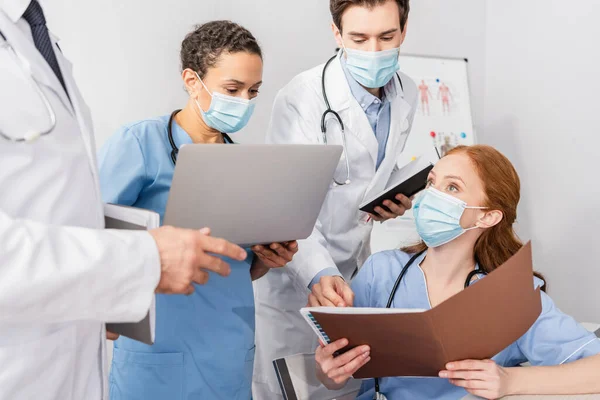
(413, 158)
(438, 80)
(463, 135)
(432, 134)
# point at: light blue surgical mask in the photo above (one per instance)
(437, 216)
(372, 69)
(226, 114)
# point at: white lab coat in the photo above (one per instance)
(341, 237)
(59, 279)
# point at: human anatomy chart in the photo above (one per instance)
(437, 97)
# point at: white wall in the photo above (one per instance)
(542, 110)
(126, 53)
(452, 28)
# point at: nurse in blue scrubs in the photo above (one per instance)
(204, 345)
(465, 218)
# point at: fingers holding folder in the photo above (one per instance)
(335, 370)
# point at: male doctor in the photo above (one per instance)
(376, 104)
(61, 275)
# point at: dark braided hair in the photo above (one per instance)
(202, 47)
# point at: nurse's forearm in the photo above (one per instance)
(258, 269)
(579, 377)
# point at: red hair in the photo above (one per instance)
(502, 188)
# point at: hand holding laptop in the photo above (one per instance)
(276, 255)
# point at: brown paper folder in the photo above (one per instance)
(477, 323)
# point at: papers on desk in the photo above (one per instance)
(476, 323)
(408, 180)
(130, 218)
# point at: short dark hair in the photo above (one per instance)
(201, 48)
(338, 7)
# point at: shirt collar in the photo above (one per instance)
(362, 95)
(476, 278)
(14, 8)
(180, 136)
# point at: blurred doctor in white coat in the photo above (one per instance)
(376, 103)
(61, 276)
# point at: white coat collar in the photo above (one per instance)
(336, 86)
(341, 100)
(14, 9)
(356, 122)
(33, 61)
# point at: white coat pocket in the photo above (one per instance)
(47, 363)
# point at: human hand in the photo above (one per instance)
(331, 291)
(185, 259)
(276, 255)
(480, 378)
(395, 210)
(112, 336)
(334, 371)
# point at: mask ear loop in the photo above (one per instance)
(343, 44)
(474, 208)
(196, 100)
(202, 82)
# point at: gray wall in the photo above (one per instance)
(542, 110)
(126, 53)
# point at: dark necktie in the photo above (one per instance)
(34, 15)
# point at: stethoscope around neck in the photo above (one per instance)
(329, 111)
(31, 136)
(174, 148)
(472, 274)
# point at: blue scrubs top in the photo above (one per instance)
(555, 338)
(204, 346)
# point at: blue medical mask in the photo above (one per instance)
(372, 69)
(226, 114)
(437, 216)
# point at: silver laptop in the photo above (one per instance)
(251, 194)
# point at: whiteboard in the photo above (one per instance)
(443, 119)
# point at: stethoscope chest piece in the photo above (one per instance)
(379, 396)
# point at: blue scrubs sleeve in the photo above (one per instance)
(556, 338)
(362, 283)
(121, 168)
